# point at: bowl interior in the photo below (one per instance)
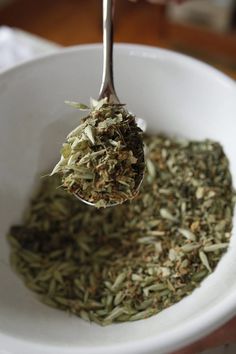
(175, 95)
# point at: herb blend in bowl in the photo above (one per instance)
(129, 262)
(102, 160)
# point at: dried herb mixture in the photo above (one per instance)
(131, 261)
(102, 160)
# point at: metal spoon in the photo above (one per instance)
(107, 87)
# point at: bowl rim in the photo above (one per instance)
(195, 328)
(134, 50)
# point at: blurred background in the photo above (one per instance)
(205, 29)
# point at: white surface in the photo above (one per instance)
(17, 46)
(174, 94)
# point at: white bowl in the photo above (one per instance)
(175, 94)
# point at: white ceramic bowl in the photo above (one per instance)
(176, 95)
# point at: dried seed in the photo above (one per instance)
(199, 192)
(142, 315)
(136, 277)
(118, 282)
(154, 288)
(187, 234)
(119, 298)
(204, 260)
(151, 168)
(167, 215)
(215, 247)
(109, 300)
(199, 275)
(189, 247)
(173, 254)
(116, 312)
(145, 304)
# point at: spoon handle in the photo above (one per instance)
(107, 88)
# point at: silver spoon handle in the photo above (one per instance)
(107, 88)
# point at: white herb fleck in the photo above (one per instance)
(199, 192)
(165, 214)
(204, 260)
(187, 234)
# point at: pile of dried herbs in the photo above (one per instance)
(131, 261)
(102, 160)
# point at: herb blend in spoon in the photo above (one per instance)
(102, 160)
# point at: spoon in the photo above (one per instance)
(107, 89)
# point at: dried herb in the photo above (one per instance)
(102, 160)
(129, 262)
